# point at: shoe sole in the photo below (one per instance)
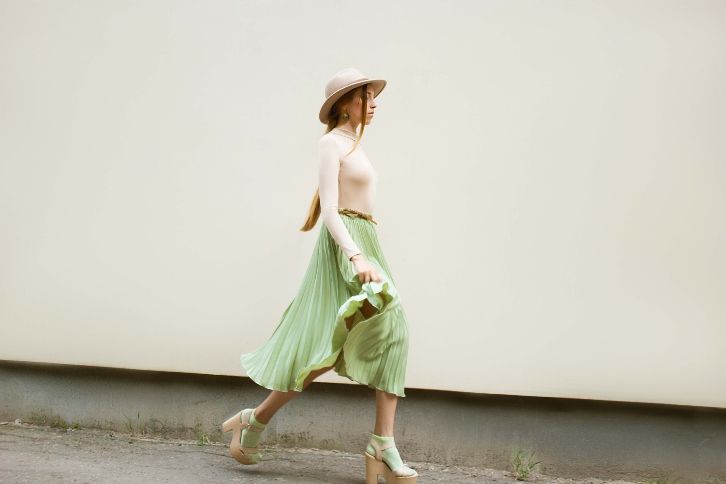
(375, 468)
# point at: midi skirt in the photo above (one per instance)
(312, 332)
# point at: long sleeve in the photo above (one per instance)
(329, 169)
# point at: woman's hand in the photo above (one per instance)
(366, 272)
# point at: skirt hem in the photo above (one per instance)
(313, 332)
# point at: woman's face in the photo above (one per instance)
(354, 108)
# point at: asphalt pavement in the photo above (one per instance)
(37, 454)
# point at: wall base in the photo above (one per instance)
(573, 438)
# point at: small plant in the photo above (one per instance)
(130, 425)
(523, 464)
(58, 422)
(48, 418)
(203, 439)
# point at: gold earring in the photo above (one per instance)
(346, 116)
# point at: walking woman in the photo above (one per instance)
(347, 314)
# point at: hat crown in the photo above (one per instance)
(343, 78)
(343, 82)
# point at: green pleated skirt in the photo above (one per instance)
(312, 332)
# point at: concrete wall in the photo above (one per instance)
(551, 185)
(572, 437)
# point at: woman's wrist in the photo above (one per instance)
(354, 256)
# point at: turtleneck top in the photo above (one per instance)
(345, 181)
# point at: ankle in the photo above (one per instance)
(257, 420)
(380, 438)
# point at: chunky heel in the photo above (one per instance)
(374, 469)
(230, 423)
(236, 424)
(376, 466)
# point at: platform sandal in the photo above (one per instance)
(376, 466)
(238, 423)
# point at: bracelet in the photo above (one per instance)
(351, 257)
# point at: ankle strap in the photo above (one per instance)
(381, 447)
(246, 423)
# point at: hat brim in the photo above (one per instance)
(377, 84)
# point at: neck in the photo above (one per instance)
(348, 127)
(345, 133)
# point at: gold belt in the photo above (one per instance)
(356, 213)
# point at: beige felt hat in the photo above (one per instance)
(342, 82)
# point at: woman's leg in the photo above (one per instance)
(383, 431)
(383, 434)
(385, 413)
(275, 400)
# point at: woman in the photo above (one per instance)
(347, 313)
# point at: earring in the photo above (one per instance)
(346, 116)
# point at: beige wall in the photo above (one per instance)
(551, 197)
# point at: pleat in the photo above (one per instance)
(312, 333)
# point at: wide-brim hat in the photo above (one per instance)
(342, 82)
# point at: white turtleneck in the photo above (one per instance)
(345, 181)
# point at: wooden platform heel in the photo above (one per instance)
(236, 424)
(376, 466)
